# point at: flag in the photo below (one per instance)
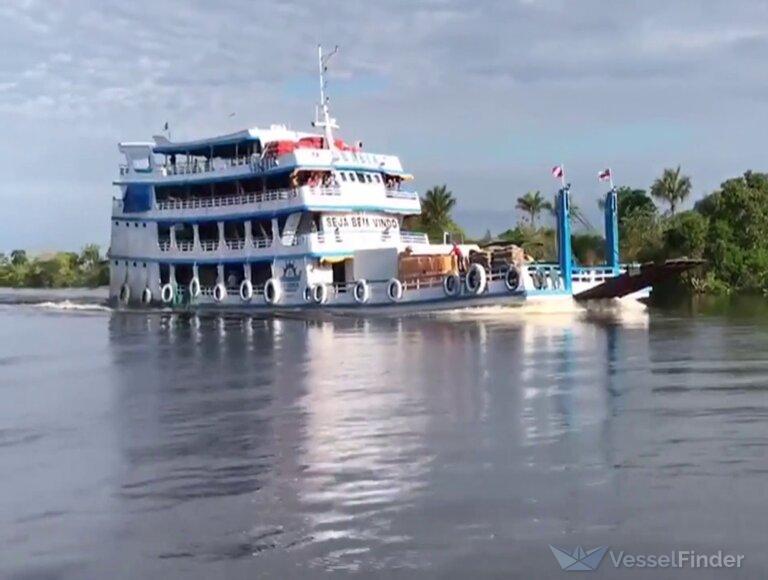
(604, 175)
(557, 171)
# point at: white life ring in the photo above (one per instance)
(246, 290)
(320, 293)
(307, 294)
(395, 290)
(194, 287)
(166, 293)
(452, 285)
(219, 292)
(361, 292)
(272, 291)
(146, 296)
(125, 293)
(539, 279)
(512, 279)
(476, 279)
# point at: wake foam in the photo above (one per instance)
(68, 305)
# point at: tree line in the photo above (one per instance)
(57, 270)
(727, 228)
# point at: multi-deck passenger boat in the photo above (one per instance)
(275, 219)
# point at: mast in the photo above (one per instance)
(327, 122)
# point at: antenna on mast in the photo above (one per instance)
(327, 122)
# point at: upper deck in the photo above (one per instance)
(242, 155)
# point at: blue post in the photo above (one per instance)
(611, 230)
(564, 254)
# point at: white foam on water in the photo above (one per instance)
(557, 312)
(68, 305)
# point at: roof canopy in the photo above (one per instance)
(225, 145)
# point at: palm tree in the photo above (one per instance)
(574, 211)
(533, 204)
(436, 206)
(672, 188)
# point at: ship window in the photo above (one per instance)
(144, 265)
(343, 176)
(136, 224)
(135, 264)
(117, 223)
(352, 177)
(368, 178)
(144, 225)
(361, 178)
(377, 177)
(115, 262)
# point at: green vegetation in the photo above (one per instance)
(436, 207)
(59, 270)
(532, 203)
(672, 187)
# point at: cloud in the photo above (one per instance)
(485, 95)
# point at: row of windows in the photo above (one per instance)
(135, 264)
(360, 177)
(135, 224)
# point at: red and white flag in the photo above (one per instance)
(604, 175)
(558, 172)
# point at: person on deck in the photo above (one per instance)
(460, 259)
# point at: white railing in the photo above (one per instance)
(235, 244)
(262, 242)
(242, 199)
(181, 245)
(193, 167)
(209, 245)
(413, 237)
(398, 194)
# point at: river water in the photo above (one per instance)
(138, 445)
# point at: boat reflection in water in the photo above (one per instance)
(363, 443)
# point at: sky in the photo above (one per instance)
(484, 96)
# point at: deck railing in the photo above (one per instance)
(213, 245)
(401, 194)
(229, 200)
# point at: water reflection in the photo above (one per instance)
(351, 426)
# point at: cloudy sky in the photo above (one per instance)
(484, 95)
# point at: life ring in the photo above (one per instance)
(272, 291)
(125, 293)
(539, 280)
(307, 294)
(452, 284)
(219, 292)
(395, 290)
(512, 279)
(246, 290)
(194, 287)
(166, 293)
(146, 296)
(320, 293)
(361, 292)
(476, 279)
